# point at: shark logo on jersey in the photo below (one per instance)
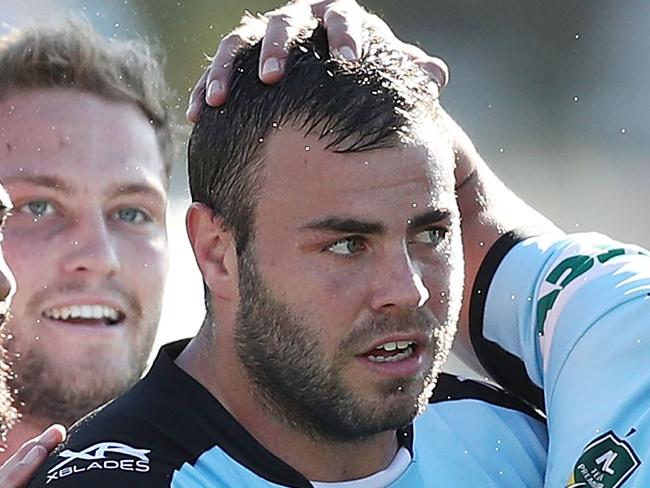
(606, 462)
(122, 457)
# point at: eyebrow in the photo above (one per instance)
(137, 189)
(59, 184)
(349, 225)
(428, 218)
(346, 225)
(47, 181)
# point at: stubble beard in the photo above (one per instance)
(50, 394)
(286, 364)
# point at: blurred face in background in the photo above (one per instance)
(87, 243)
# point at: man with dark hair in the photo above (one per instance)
(85, 139)
(545, 313)
(327, 234)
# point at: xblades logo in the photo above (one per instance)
(97, 457)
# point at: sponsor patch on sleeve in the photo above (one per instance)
(606, 462)
(102, 456)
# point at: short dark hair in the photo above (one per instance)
(66, 52)
(353, 106)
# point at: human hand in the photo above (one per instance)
(345, 22)
(19, 468)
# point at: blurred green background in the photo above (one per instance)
(553, 92)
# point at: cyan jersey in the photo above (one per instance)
(564, 321)
(168, 431)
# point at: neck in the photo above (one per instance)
(26, 428)
(220, 372)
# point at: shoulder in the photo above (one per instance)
(452, 388)
(121, 444)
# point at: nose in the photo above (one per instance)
(398, 284)
(91, 247)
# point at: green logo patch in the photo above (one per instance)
(605, 463)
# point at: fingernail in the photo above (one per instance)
(33, 455)
(51, 434)
(190, 111)
(271, 65)
(214, 87)
(347, 53)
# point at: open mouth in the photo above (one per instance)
(84, 314)
(390, 352)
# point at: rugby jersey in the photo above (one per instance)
(564, 322)
(169, 431)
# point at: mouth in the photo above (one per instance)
(88, 314)
(392, 351)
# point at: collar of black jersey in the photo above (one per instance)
(210, 425)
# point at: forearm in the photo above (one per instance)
(488, 210)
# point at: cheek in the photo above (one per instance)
(144, 262)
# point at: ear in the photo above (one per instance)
(214, 249)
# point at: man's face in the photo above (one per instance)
(87, 243)
(350, 292)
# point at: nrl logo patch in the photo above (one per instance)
(606, 462)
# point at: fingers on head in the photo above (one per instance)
(344, 30)
(284, 26)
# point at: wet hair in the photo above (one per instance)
(353, 106)
(66, 52)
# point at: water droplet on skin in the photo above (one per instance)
(75, 243)
(414, 205)
(307, 148)
(274, 125)
(481, 244)
(366, 163)
(145, 265)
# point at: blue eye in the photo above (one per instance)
(347, 246)
(431, 237)
(38, 208)
(132, 215)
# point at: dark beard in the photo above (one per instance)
(285, 362)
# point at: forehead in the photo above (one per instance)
(78, 137)
(302, 176)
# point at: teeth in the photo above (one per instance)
(391, 346)
(391, 359)
(88, 312)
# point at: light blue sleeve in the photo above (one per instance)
(575, 311)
